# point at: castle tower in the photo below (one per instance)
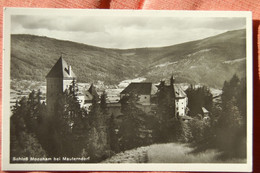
(58, 79)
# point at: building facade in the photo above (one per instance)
(181, 101)
(145, 92)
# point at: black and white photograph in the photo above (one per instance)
(127, 90)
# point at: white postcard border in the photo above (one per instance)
(121, 167)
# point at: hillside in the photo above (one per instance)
(32, 57)
(208, 61)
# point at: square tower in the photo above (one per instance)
(58, 79)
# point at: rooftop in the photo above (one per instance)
(179, 93)
(61, 70)
(142, 88)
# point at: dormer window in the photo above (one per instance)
(68, 70)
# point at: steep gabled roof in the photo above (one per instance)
(92, 90)
(138, 88)
(61, 70)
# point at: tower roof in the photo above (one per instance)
(61, 70)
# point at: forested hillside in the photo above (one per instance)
(209, 61)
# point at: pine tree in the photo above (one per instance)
(198, 98)
(103, 104)
(129, 131)
(113, 138)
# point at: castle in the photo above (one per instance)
(61, 76)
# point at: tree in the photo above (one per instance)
(98, 144)
(198, 98)
(25, 121)
(168, 122)
(132, 123)
(166, 101)
(26, 145)
(113, 136)
(103, 104)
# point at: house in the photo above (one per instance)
(181, 101)
(85, 97)
(89, 95)
(145, 92)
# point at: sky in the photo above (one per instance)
(124, 32)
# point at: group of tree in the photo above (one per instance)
(199, 97)
(135, 129)
(27, 115)
(226, 130)
(230, 129)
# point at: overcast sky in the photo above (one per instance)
(124, 32)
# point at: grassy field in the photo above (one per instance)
(181, 153)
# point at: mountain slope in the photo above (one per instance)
(32, 57)
(209, 61)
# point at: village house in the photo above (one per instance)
(181, 101)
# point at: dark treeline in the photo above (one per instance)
(97, 135)
(226, 129)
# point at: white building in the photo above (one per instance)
(181, 101)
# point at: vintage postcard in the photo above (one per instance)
(125, 90)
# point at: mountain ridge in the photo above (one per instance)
(33, 56)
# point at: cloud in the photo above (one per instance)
(124, 31)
